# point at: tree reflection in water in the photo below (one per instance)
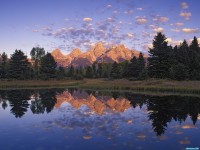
(161, 110)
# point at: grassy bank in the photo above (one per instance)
(156, 86)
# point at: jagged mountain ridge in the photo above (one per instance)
(97, 53)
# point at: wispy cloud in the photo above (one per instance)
(175, 30)
(141, 20)
(184, 5)
(35, 30)
(178, 24)
(129, 12)
(160, 19)
(109, 6)
(190, 30)
(140, 8)
(185, 15)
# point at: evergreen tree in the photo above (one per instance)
(132, 71)
(19, 67)
(141, 63)
(4, 66)
(123, 67)
(115, 71)
(61, 73)
(194, 52)
(159, 61)
(89, 72)
(179, 72)
(48, 67)
(100, 70)
(180, 65)
(94, 69)
(36, 54)
(71, 72)
(141, 67)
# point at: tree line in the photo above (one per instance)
(180, 62)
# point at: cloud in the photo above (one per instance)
(185, 15)
(168, 40)
(130, 35)
(141, 20)
(110, 20)
(87, 19)
(129, 12)
(47, 28)
(190, 30)
(109, 6)
(187, 126)
(140, 8)
(184, 5)
(160, 19)
(66, 19)
(185, 142)
(115, 12)
(173, 42)
(35, 30)
(146, 47)
(159, 29)
(175, 30)
(178, 24)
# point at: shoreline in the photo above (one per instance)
(146, 86)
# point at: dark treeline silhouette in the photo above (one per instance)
(181, 62)
(161, 110)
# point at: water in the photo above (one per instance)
(73, 119)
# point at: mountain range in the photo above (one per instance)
(98, 53)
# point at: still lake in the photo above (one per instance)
(59, 119)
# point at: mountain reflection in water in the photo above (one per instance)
(160, 110)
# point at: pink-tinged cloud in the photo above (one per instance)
(141, 20)
(184, 5)
(159, 29)
(184, 142)
(186, 15)
(35, 30)
(160, 19)
(190, 30)
(199, 43)
(178, 24)
(173, 42)
(87, 19)
(187, 126)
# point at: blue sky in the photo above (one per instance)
(67, 24)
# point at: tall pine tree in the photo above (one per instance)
(194, 54)
(19, 67)
(115, 71)
(4, 66)
(48, 67)
(159, 61)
